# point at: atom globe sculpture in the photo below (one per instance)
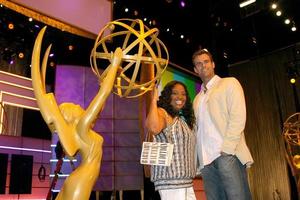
(140, 48)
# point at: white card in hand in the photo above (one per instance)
(155, 153)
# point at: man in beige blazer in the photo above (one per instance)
(222, 152)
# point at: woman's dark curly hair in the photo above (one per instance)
(165, 103)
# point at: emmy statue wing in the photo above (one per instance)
(46, 101)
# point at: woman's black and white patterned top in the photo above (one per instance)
(182, 170)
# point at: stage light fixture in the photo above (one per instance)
(71, 47)
(246, 3)
(278, 13)
(11, 26)
(21, 55)
(274, 6)
(287, 21)
(182, 4)
(294, 28)
(52, 64)
(292, 80)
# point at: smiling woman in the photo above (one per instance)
(171, 120)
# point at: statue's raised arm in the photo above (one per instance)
(98, 102)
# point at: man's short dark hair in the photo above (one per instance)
(200, 52)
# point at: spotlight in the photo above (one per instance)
(287, 21)
(246, 3)
(278, 13)
(182, 4)
(30, 19)
(52, 64)
(274, 6)
(71, 47)
(225, 55)
(21, 55)
(294, 28)
(11, 26)
(292, 80)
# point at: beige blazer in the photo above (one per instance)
(227, 109)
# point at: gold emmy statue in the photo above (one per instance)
(291, 133)
(73, 124)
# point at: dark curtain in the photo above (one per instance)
(270, 100)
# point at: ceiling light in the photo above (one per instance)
(52, 64)
(182, 4)
(71, 47)
(287, 21)
(225, 55)
(278, 13)
(294, 28)
(30, 19)
(126, 9)
(11, 26)
(181, 36)
(274, 6)
(293, 80)
(246, 3)
(21, 55)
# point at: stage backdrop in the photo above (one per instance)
(190, 80)
(270, 100)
